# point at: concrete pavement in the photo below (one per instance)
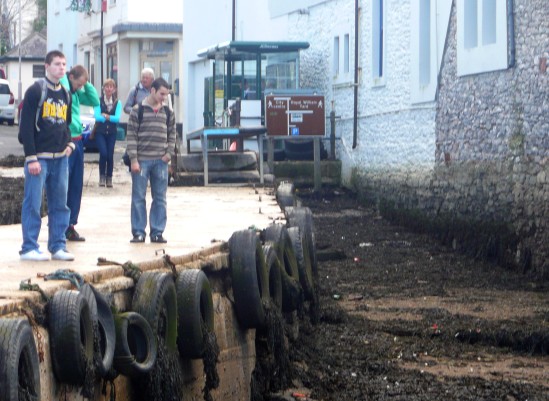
(200, 220)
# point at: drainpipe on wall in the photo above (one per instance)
(355, 112)
(234, 22)
(511, 31)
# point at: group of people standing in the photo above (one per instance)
(50, 131)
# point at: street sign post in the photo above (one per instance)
(295, 115)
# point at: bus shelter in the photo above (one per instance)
(246, 71)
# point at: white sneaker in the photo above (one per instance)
(34, 255)
(62, 255)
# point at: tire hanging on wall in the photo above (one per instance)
(19, 364)
(303, 262)
(250, 281)
(195, 312)
(285, 195)
(302, 217)
(136, 348)
(87, 293)
(71, 336)
(277, 234)
(156, 300)
(104, 328)
(274, 270)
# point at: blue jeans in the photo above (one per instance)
(105, 144)
(157, 172)
(54, 177)
(76, 181)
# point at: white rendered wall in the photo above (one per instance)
(393, 134)
(63, 29)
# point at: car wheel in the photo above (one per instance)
(10, 122)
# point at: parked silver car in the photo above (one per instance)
(7, 103)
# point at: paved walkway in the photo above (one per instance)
(198, 218)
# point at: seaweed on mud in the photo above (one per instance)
(273, 370)
(398, 341)
(12, 161)
(88, 386)
(165, 381)
(210, 360)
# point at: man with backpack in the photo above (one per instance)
(151, 145)
(140, 91)
(46, 140)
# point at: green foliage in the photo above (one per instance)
(41, 21)
(81, 5)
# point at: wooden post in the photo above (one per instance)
(317, 172)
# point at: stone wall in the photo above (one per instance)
(488, 193)
(472, 168)
(492, 146)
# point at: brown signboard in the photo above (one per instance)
(293, 115)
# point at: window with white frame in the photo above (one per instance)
(341, 55)
(429, 27)
(378, 41)
(481, 36)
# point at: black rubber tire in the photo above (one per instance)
(71, 336)
(136, 347)
(303, 149)
(250, 281)
(156, 300)
(87, 293)
(291, 288)
(302, 217)
(274, 270)
(278, 155)
(194, 312)
(303, 262)
(285, 195)
(107, 333)
(19, 364)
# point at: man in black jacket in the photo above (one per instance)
(46, 140)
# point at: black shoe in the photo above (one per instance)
(159, 239)
(72, 235)
(138, 238)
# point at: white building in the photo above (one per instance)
(31, 67)
(120, 41)
(399, 49)
(400, 46)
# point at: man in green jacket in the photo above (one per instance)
(76, 81)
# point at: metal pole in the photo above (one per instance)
(234, 22)
(101, 50)
(332, 133)
(355, 95)
(19, 84)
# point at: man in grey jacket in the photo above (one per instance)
(140, 91)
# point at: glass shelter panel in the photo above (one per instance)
(247, 71)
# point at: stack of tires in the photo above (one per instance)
(89, 342)
(276, 265)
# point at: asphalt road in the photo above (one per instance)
(9, 145)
